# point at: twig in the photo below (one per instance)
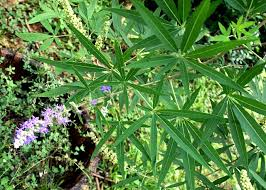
(101, 177)
(97, 183)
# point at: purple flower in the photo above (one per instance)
(62, 120)
(28, 131)
(94, 102)
(106, 89)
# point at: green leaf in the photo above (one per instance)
(153, 143)
(206, 147)
(129, 131)
(169, 7)
(134, 15)
(251, 127)
(190, 101)
(193, 115)
(119, 60)
(215, 75)
(103, 140)
(143, 89)
(169, 157)
(33, 37)
(68, 65)
(213, 6)
(237, 135)
(81, 78)
(120, 153)
(237, 4)
(182, 141)
(211, 125)
(258, 178)
(259, 7)
(151, 42)
(124, 182)
(58, 91)
(77, 98)
(46, 44)
(155, 24)
(131, 14)
(139, 146)
(194, 25)
(206, 181)
(251, 104)
(43, 16)
(248, 75)
(153, 62)
(184, 76)
(159, 89)
(184, 7)
(212, 50)
(188, 164)
(89, 46)
(91, 8)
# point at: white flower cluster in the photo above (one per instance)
(71, 16)
(245, 181)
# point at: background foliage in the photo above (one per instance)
(187, 101)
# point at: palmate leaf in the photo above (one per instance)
(251, 127)
(169, 157)
(215, 75)
(156, 26)
(251, 104)
(184, 144)
(237, 135)
(89, 46)
(184, 7)
(194, 25)
(212, 50)
(169, 7)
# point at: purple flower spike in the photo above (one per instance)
(106, 89)
(94, 102)
(30, 129)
